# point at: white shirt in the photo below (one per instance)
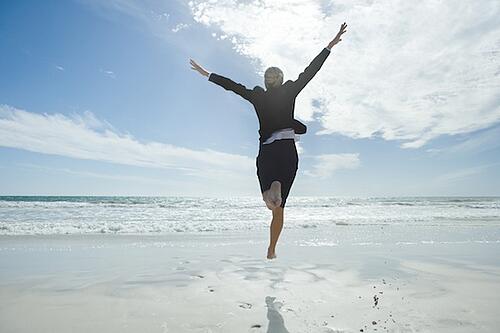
(285, 133)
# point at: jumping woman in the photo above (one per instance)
(277, 160)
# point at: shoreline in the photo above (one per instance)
(223, 283)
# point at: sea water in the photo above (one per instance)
(27, 215)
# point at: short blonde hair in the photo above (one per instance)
(274, 76)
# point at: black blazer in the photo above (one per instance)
(275, 106)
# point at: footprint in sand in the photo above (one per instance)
(198, 276)
(255, 328)
(245, 305)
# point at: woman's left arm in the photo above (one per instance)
(337, 37)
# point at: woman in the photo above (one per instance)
(277, 161)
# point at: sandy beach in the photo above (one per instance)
(221, 282)
(154, 154)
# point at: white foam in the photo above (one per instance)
(130, 215)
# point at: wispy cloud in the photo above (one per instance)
(153, 15)
(463, 173)
(60, 68)
(108, 73)
(86, 137)
(404, 71)
(326, 164)
(180, 26)
(476, 142)
(89, 174)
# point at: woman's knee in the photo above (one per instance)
(278, 211)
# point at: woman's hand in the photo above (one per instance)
(337, 38)
(198, 68)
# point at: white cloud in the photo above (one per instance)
(404, 71)
(61, 68)
(86, 137)
(180, 26)
(327, 164)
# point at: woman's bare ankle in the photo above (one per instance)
(271, 253)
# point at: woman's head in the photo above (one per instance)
(273, 77)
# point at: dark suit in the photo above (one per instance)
(275, 106)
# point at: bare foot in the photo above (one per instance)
(275, 193)
(271, 253)
(265, 197)
(270, 205)
(272, 197)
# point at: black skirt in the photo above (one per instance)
(277, 161)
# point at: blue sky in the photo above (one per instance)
(98, 97)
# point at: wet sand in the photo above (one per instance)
(222, 282)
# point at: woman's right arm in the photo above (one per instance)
(224, 82)
(235, 87)
(199, 69)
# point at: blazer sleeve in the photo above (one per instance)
(309, 72)
(235, 87)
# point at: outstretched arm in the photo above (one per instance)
(337, 37)
(316, 63)
(224, 82)
(198, 68)
(229, 84)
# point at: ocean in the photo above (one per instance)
(43, 215)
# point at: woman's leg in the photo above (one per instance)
(276, 226)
